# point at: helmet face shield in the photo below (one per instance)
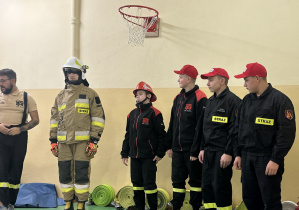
(71, 70)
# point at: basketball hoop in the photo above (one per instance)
(139, 20)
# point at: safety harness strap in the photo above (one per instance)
(25, 109)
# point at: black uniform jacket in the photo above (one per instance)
(145, 133)
(219, 122)
(266, 125)
(185, 125)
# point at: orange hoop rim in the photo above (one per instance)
(134, 16)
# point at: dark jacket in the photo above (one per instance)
(266, 125)
(185, 126)
(219, 122)
(145, 133)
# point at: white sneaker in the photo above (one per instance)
(3, 208)
(11, 207)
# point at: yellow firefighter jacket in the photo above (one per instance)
(77, 115)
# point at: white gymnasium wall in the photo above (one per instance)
(207, 34)
(35, 40)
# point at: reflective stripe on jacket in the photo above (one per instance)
(77, 115)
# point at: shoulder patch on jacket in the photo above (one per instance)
(156, 110)
(98, 101)
(289, 114)
(200, 95)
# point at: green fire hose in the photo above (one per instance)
(102, 195)
(125, 197)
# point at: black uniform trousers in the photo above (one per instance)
(143, 177)
(181, 168)
(216, 181)
(12, 154)
(260, 192)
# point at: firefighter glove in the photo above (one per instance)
(54, 149)
(91, 149)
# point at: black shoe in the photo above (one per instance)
(132, 208)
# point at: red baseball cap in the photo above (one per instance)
(189, 70)
(214, 72)
(253, 69)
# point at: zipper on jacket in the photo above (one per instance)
(137, 131)
(254, 117)
(151, 146)
(180, 114)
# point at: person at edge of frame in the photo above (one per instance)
(15, 105)
(266, 131)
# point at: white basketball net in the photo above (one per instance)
(138, 20)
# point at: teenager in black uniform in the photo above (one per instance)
(145, 144)
(182, 138)
(266, 132)
(217, 142)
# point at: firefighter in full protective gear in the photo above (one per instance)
(76, 125)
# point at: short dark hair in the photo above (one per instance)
(225, 79)
(9, 73)
(147, 92)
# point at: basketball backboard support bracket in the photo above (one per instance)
(153, 31)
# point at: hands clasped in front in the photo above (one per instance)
(4, 128)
